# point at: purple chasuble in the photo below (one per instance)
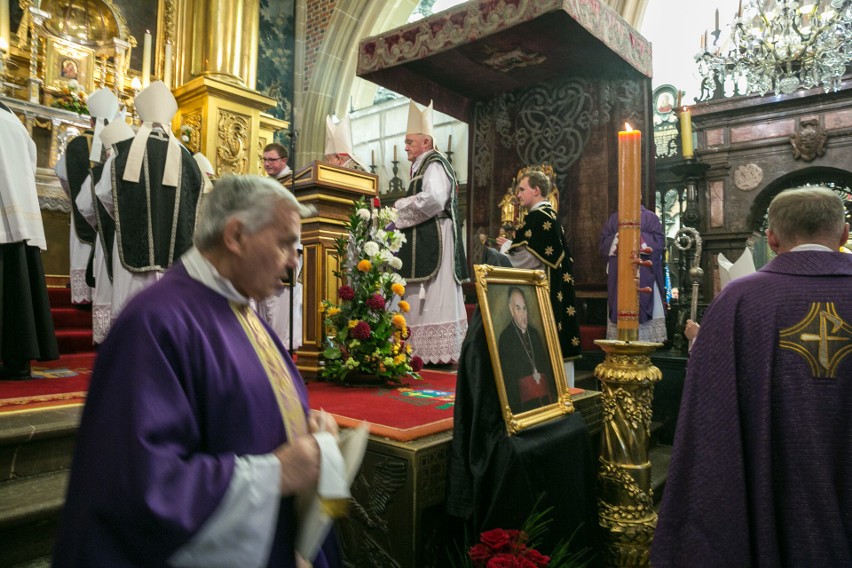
(651, 234)
(177, 392)
(761, 471)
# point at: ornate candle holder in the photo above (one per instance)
(625, 502)
(395, 183)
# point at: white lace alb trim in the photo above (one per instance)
(439, 343)
(81, 293)
(652, 331)
(101, 320)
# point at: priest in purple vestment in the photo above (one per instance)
(196, 435)
(761, 471)
(652, 315)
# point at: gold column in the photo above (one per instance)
(625, 502)
(226, 123)
(218, 39)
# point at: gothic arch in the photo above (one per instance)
(835, 178)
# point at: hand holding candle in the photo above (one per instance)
(629, 222)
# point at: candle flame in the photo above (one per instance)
(627, 127)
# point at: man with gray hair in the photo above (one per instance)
(761, 471)
(196, 435)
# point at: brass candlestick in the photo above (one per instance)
(625, 502)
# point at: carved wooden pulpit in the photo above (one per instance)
(332, 191)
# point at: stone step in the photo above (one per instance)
(37, 441)
(36, 448)
(29, 514)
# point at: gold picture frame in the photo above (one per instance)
(65, 62)
(523, 344)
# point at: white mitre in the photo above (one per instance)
(115, 132)
(155, 104)
(420, 121)
(103, 105)
(206, 170)
(338, 136)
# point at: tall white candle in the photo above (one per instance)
(167, 66)
(146, 60)
(4, 25)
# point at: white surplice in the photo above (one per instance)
(437, 319)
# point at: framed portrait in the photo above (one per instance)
(65, 62)
(523, 344)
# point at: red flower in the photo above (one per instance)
(498, 539)
(502, 560)
(361, 330)
(346, 293)
(537, 558)
(416, 365)
(524, 563)
(376, 302)
(479, 553)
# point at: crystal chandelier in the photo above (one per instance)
(778, 46)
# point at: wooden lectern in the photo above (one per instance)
(332, 190)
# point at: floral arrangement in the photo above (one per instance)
(510, 548)
(367, 332)
(72, 98)
(499, 548)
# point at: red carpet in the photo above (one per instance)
(54, 383)
(398, 412)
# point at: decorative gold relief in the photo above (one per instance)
(626, 505)
(193, 121)
(232, 148)
(823, 338)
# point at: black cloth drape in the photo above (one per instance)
(495, 480)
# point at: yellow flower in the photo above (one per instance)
(322, 308)
(399, 359)
(398, 321)
(398, 289)
(352, 323)
(404, 306)
(365, 265)
(408, 348)
(333, 312)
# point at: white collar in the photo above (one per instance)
(419, 160)
(202, 270)
(812, 246)
(283, 173)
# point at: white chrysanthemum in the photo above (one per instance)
(371, 249)
(364, 214)
(385, 255)
(396, 278)
(395, 262)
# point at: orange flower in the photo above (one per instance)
(398, 321)
(365, 265)
(398, 289)
(404, 307)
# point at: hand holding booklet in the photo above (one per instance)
(339, 463)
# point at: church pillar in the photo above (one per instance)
(216, 70)
(218, 39)
(225, 123)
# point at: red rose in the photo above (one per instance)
(524, 563)
(346, 293)
(497, 539)
(361, 330)
(479, 553)
(537, 558)
(416, 365)
(501, 560)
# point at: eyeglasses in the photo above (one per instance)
(267, 160)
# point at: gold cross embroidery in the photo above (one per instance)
(823, 338)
